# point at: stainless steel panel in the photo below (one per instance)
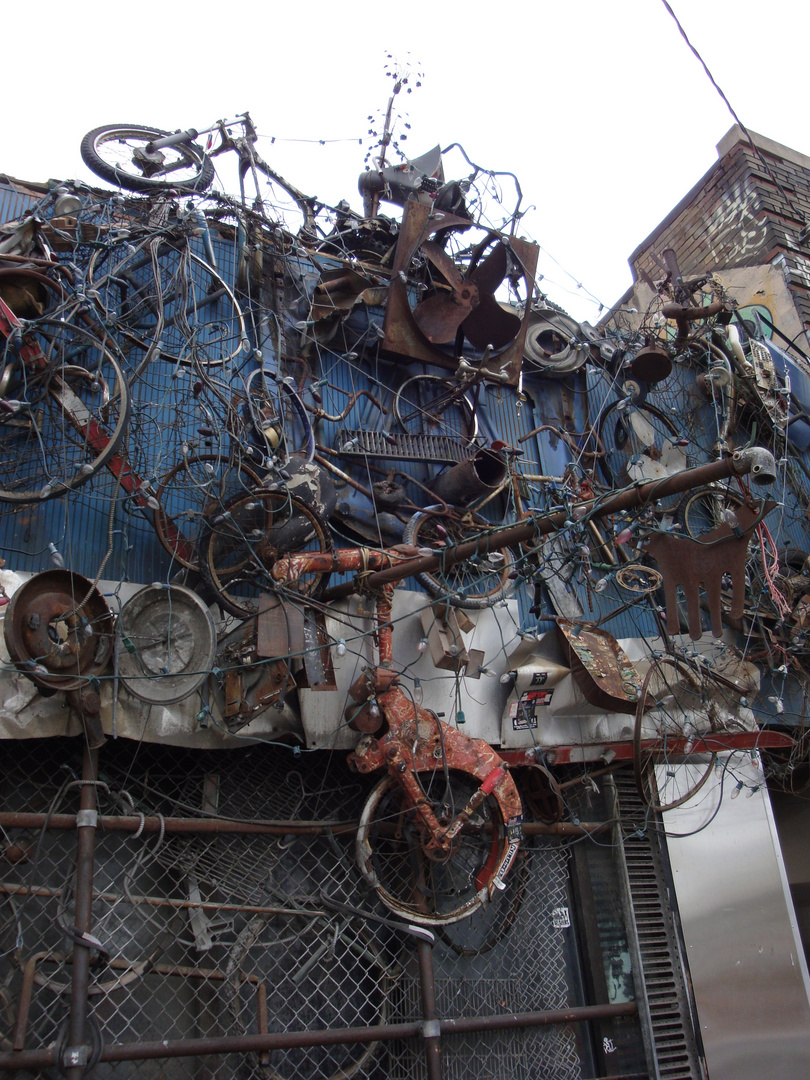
(747, 964)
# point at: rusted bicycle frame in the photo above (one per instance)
(416, 740)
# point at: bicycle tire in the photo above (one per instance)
(162, 292)
(68, 417)
(678, 695)
(195, 489)
(636, 439)
(391, 855)
(239, 547)
(702, 510)
(488, 926)
(474, 583)
(119, 168)
(431, 405)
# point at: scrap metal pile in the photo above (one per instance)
(359, 486)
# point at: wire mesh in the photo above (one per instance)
(218, 934)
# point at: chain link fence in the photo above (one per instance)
(222, 933)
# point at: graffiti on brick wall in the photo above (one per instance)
(733, 230)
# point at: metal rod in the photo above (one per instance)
(288, 1040)
(739, 464)
(431, 1030)
(85, 857)
(178, 825)
(215, 825)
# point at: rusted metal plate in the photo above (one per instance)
(602, 670)
(317, 652)
(279, 627)
(692, 564)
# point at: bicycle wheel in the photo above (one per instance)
(193, 490)
(240, 546)
(430, 405)
(64, 411)
(676, 706)
(118, 154)
(392, 855)
(162, 292)
(488, 926)
(640, 443)
(703, 510)
(476, 582)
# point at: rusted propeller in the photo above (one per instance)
(470, 306)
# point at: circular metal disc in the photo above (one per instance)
(58, 629)
(168, 640)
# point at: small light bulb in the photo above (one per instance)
(418, 692)
(56, 557)
(737, 789)
(461, 718)
(506, 678)
(423, 644)
(341, 647)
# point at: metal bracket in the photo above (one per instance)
(87, 819)
(431, 1029)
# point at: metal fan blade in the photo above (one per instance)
(443, 263)
(489, 324)
(489, 274)
(440, 316)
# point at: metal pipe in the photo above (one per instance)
(26, 993)
(178, 825)
(216, 825)
(431, 1029)
(85, 858)
(289, 1040)
(757, 462)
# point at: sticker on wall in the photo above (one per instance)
(560, 918)
(539, 678)
(524, 712)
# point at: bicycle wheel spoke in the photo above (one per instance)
(65, 415)
(476, 582)
(393, 854)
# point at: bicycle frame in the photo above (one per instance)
(416, 740)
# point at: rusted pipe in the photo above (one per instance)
(684, 315)
(290, 1040)
(431, 1030)
(26, 993)
(85, 858)
(757, 462)
(482, 474)
(179, 825)
(212, 825)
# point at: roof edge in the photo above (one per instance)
(736, 135)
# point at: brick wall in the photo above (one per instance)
(736, 216)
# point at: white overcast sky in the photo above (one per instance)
(599, 107)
